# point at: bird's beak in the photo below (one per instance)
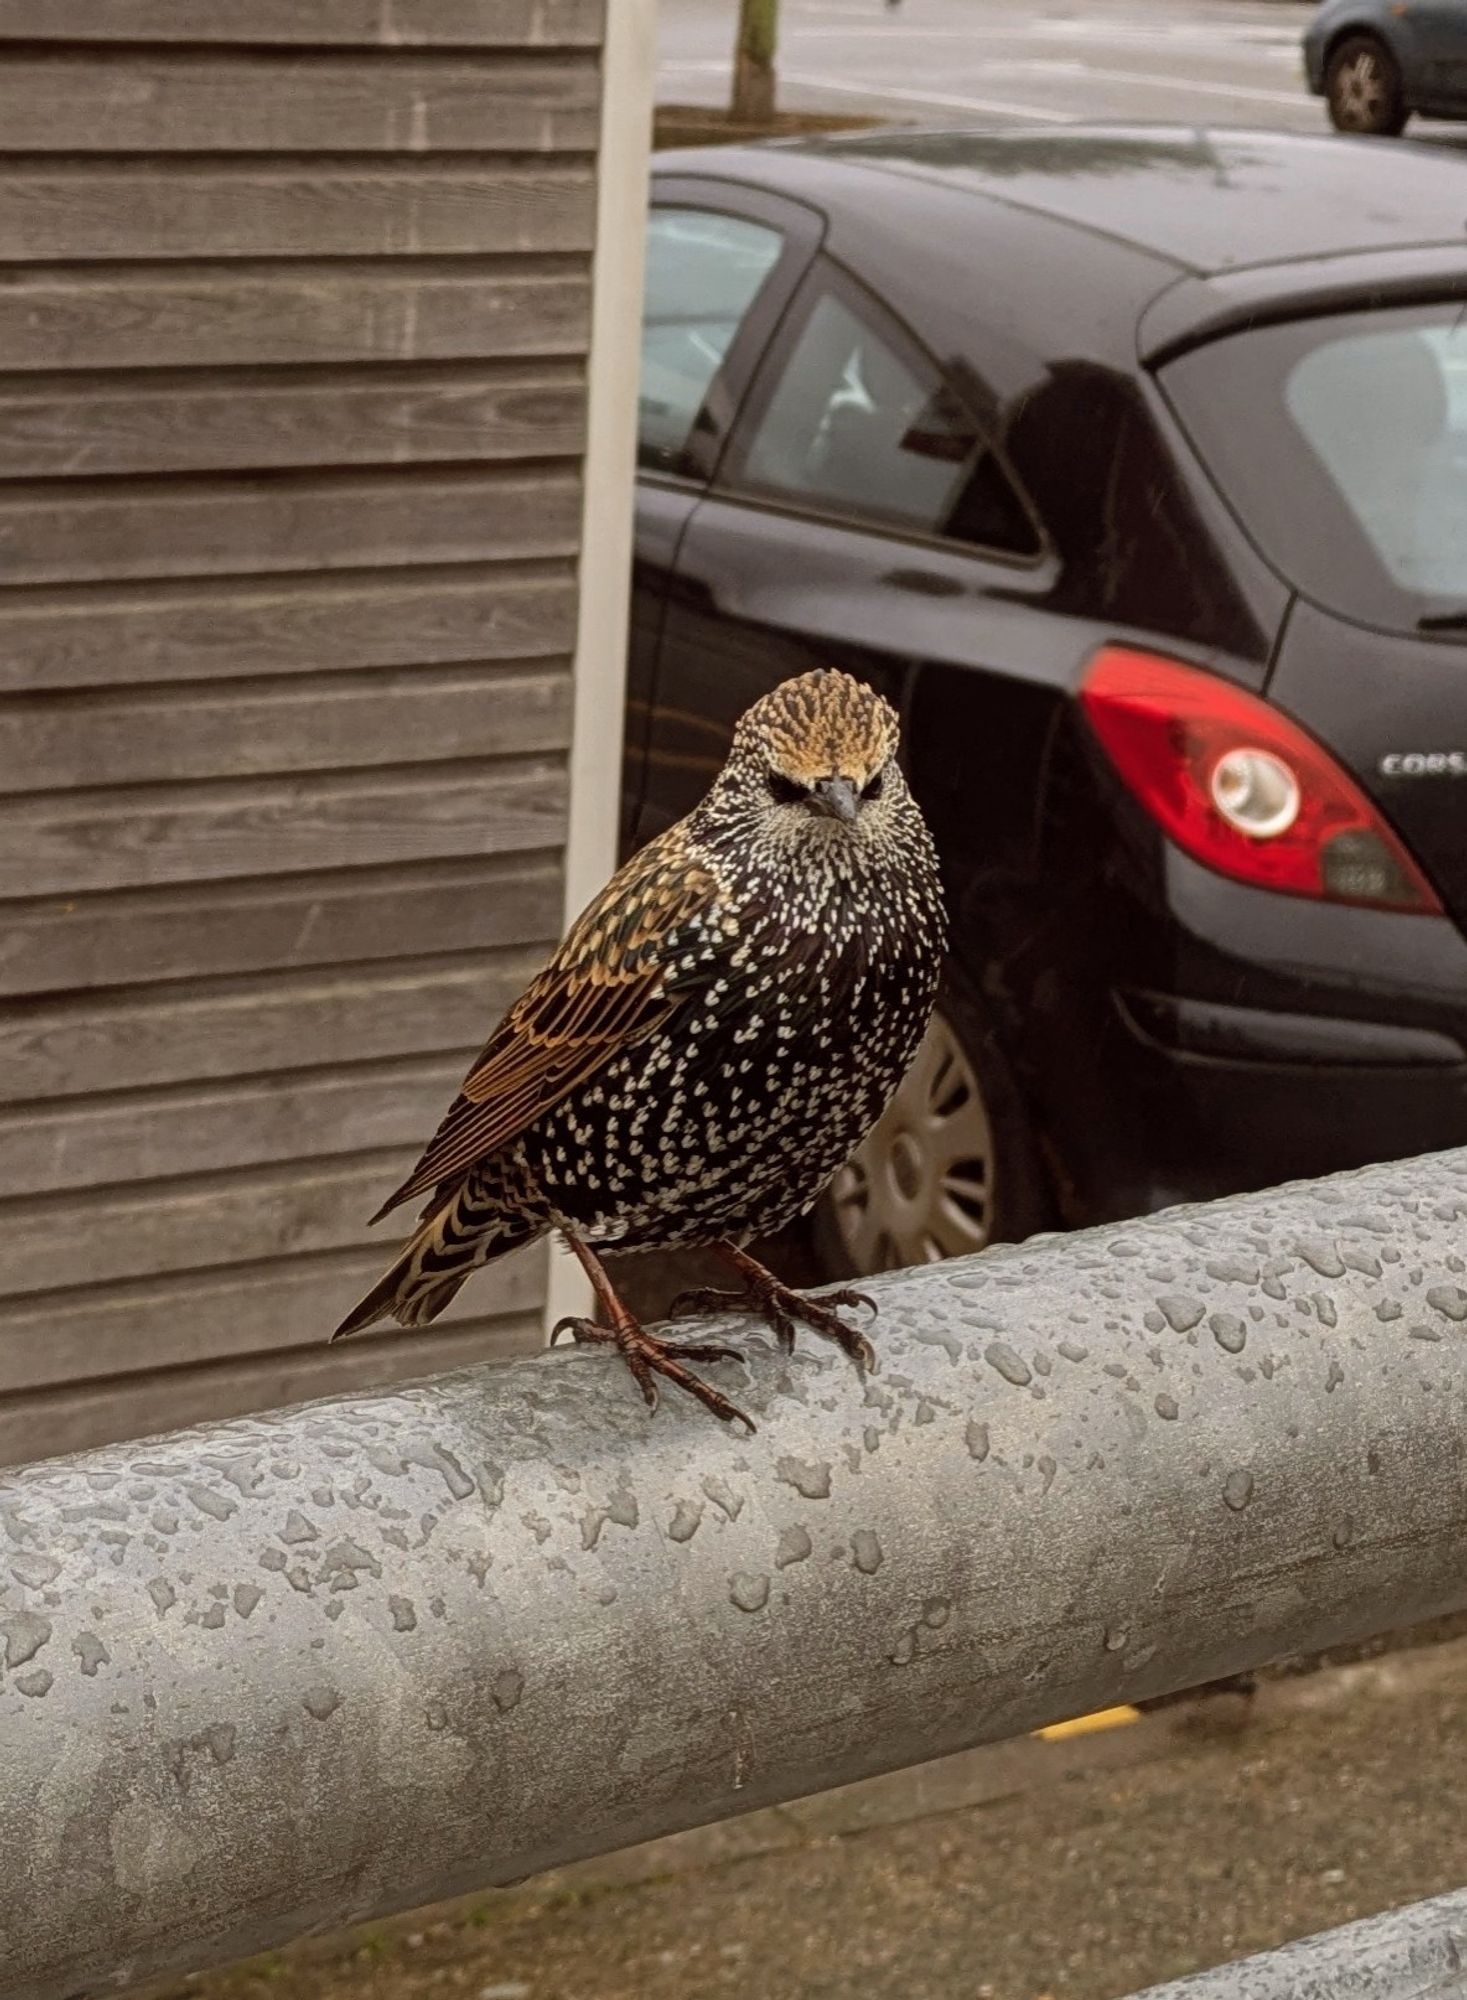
(835, 798)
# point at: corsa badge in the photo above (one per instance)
(1424, 764)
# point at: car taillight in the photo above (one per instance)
(1242, 788)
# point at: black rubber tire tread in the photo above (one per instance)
(1394, 112)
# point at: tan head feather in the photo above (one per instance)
(822, 724)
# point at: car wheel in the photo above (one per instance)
(1363, 86)
(950, 1166)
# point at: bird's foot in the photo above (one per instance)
(781, 1306)
(648, 1357)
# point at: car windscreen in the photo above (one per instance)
(1342, 444)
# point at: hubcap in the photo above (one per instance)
(1360, 91)
(920, 1185)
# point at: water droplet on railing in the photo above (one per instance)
(749, 1593)
(866, 1551)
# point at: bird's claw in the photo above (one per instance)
(780, 1307)
(647, 1357)
(847, 1297)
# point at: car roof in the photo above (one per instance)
(1124, 242)
(1205, 201)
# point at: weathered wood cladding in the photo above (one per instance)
(271, 314)
(294, 315)
(174, 423)
(295, 101)
(371, 24)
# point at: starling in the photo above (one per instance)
(716, 1034)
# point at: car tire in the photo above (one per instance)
(1362, 85)
(951, 1166)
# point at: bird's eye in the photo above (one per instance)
(872, 787)
(784, 791)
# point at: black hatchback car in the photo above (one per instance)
(1132, 466)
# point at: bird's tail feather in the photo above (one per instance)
(456, 1237)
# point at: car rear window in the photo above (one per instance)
(860, 422)
(1342, 443)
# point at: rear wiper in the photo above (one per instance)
(1444, 621)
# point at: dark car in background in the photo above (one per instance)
(1376, 61)
(1132, 467)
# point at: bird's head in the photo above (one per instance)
(818, 749)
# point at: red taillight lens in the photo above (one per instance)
(1243, 789)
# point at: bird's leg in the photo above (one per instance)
(763, 1293)
(644, 1354)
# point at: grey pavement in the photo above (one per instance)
(1232, 62)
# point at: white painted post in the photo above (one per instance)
(627, 67)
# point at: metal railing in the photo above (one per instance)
(1414, 1954)
(270, 1676)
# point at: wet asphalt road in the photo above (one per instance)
(1041, 62)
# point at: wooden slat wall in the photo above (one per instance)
(294, 306)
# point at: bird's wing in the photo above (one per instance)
(613, 980)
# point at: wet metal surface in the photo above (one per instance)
(1414, 1954)
(293, 1671)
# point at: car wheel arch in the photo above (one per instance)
(1364, 30)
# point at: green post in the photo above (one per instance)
(753, 91)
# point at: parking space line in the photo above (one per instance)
(893, 33)
(1180, 86)
(941, 100)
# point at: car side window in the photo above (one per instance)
(861, 422)
(704, 272)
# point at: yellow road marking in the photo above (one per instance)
(1085, 1725)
